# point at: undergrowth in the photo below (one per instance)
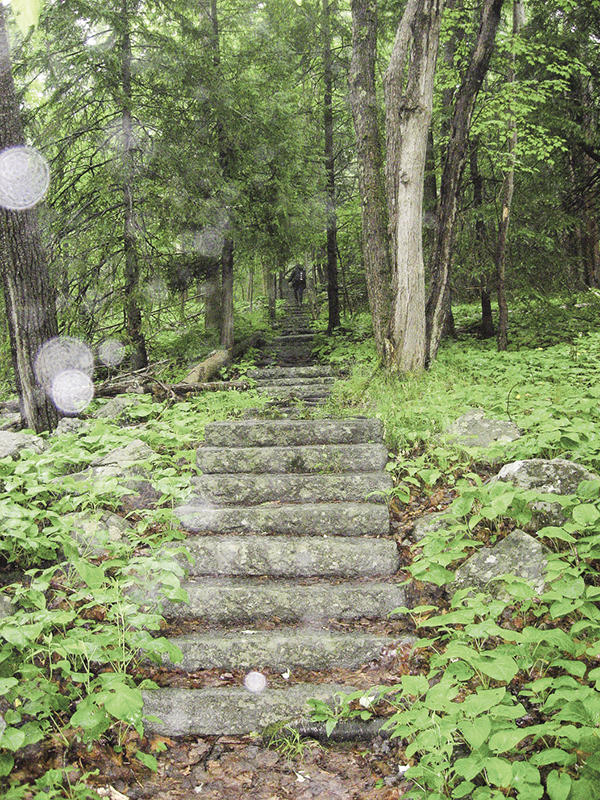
(75, 621)
(504, 695)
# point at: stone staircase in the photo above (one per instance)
(290, 557)
(286, 539)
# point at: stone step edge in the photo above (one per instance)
(229, 710)
(283, 649)
(287, 557)
(248, 600)
(297, 519)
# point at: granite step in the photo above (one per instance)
(231, 711)
(325, 458)
(311, 519)
(239, 601)
(299, 432)
(263, 373)
(283, 649)
(249, 489)
(289, 557)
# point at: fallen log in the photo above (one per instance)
(204, 371)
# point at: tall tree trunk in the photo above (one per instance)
(226, 163)
(371, 181)
(133, 315)
(227, 333)
(28, 292)
(487, 329)
(333, 295)
(409, 96)
(438, 303)
(508, 188)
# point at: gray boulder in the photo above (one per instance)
(473, 429)
(518, 554)
(11, 443)
(95, 532)
(128, 464)
(548, 476)
(117, 409)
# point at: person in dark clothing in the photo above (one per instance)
(298, 282)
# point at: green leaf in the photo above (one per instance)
(553, 755)
(586, 514)
(12, 739)
(415, 685)
(476, 732)
(147, 760)
(558, 785)
(499, 771)
(125, 703)
(505, 740)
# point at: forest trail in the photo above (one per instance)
(292, 568)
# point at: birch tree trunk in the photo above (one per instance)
(438, 304)
(28, 293)
(371, 181)
(408, 88)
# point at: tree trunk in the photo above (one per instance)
(438, 303)
(28, 292)
(409, 95)
(227, 295)
(332, 273)
(487, 329)
(226, 164)
(371, 182)
(133, 315)
(508, 188)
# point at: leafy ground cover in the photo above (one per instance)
(499, 699)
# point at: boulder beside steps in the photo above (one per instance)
(275, 571)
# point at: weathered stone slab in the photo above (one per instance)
(266, 373)
(337, 519)
(95, 532)
(238, 601)
(286, 556)
(230, 711)
(299, 391)
(129, 464)
(518, 554)
(11, 443)
(286, 648)
(118, 408)
(293, 432)
(131, 455)
(295, 382)
(473, 429)
(430, 523)
(249, 489)
(548, 476)
(326, 458)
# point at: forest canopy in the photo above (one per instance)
(199, 151)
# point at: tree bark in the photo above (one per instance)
(508, 188)
(227, 295)
(28, 292)
(409, 96)
(487, 329)
(438, 303)
(133, 315)
(333, 295)
(371, 181)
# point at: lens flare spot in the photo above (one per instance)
(111, 352)
(62, 354)
(24, 178)
(72, 391)
(255, 682)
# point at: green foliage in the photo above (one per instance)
(79, 623)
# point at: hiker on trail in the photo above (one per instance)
(298, 281)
